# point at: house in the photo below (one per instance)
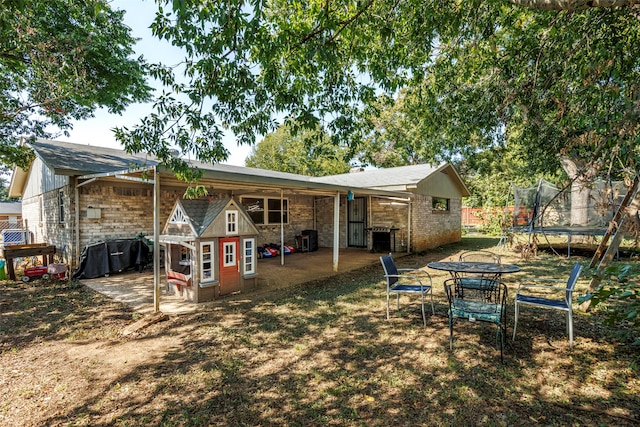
(74, 195)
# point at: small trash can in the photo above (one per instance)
(3, 275)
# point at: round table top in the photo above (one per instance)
(474, 267)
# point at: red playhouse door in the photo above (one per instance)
(229, 265)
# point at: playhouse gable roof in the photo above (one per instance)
(199, 214)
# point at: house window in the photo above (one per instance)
(440, 204)
(249, 248)
(61, 206)
(206, 262)
(265, 210)
(232, 222)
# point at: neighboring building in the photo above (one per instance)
(10, 215)
(11, 231)
(74, 195)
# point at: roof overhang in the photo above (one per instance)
(245, 181)
(18, 181)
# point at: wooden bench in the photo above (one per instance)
(178, 279)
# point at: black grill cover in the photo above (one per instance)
(112, 256)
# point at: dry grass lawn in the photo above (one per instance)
(321, 353)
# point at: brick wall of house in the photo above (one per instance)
(431, 228)
(324, 222)
(31, 218)
(42, 216)
(391, 214)
(300, 218)
(124, 210)
(119, 212)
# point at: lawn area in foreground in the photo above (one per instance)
(321, 353)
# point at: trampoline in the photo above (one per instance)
(544, 209)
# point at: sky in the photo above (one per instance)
(97, 131)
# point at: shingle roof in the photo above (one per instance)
(66, 158)
(380, 178)
(202, 212)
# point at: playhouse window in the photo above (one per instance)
(206, 262)
(265, 210)
(232, 222)
(249, 247)
(229, 254)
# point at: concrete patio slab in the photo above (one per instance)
(136, 289)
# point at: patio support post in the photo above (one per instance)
(336, 230)
(76, 196)
(409, 227)
(281, 227)
(156, 240)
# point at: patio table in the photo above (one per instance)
(457, 268)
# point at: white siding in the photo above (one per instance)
(42, 179)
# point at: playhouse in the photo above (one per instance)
(210, 249)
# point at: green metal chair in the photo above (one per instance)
(484, 301)
(479, 256)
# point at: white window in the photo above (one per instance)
(229, 256)
(265, 210)
(232, 222)
(206, 262)
(61, 206)
(249, 248)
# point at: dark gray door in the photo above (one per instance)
(357, 222)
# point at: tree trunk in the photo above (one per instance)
(581, 176)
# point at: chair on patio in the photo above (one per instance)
(406, 281)
(479, 256)
(542, 300)
(484, 302)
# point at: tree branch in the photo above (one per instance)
(572, 5)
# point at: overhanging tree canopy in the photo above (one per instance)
(59, 61)
(476, 73)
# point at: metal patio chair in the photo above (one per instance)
(524, 296)
(406, 281)
(483, 302)
(479, 256)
